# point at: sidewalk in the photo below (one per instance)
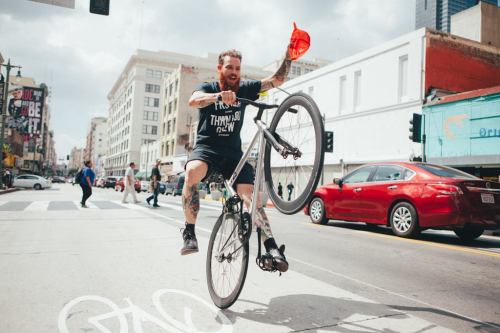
(9, 190)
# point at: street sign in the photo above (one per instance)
(100, 7)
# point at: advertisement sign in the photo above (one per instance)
(25, 110)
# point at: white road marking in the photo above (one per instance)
(37, 206)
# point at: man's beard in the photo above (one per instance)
(225, 85)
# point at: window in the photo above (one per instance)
(299, 71)
(152, 88)
(342, 93)
(173, 125)
(158, 74)
(403, 78)
(168, 127)
(443, 171)
(150, 115)
(386, 173)
(170, 108)
(360, 175)
(149, 72)
(176, 85)
(175, 105)
(294, 70)
(150, 101)
(357, 89)
(149, 129)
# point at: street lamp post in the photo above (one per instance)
(3, 113)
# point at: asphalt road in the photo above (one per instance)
(116, 268)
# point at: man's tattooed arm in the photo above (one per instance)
(279, 77)
(200, 99)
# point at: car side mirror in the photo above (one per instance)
(338, 181)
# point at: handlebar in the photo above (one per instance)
(261, 106)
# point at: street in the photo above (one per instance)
(116, 268)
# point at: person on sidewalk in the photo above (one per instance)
(129, 183)
(290, 188)
(88, 177)
(280, 190)
(155, 184)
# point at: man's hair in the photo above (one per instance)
(231, 53)
(87, 163)
(131, 163)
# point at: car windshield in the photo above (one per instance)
(443, 171)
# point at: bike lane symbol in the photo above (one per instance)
(139, 316)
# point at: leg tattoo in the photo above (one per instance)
(191, 203)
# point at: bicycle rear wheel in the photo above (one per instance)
(298, 122)
(227, 261)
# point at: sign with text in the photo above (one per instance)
(25, 110)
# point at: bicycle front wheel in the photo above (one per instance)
(227, 261)
(290, 181)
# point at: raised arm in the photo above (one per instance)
(201, 99)
(279, 77)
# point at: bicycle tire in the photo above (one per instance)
(293, 206)
(220, 301)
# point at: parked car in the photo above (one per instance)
(110, 181)
(175, 184)
(58, 179)
(120, 185)
(31, 181)
(144, 185)
(410, 197)
(100, 182)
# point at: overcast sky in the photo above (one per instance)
(80, 55)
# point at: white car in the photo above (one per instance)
(32, 181)
(144, 185)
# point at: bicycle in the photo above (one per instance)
(228, 247)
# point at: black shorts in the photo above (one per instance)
(224, 163)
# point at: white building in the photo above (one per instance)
(367, 100)
(150, 152)
(299, 67)
(96, 142)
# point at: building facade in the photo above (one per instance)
(436, 14)
(368, 98)
(150, 152)
(96, 143)
(480, 23)
(463, 130)
(76, 158)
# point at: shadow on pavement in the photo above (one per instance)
(314, 313)
(427, 235)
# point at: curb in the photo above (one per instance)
(9, 190)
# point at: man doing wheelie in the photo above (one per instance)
(218, 144)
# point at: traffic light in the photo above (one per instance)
(329, 142)
(67, 157)
(100, 7)
(416, 128)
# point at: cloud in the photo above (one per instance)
(80, 55)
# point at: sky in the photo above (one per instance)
(80, 55)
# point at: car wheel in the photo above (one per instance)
(404, 220)
(37, 187)
(468, 233)
(317, 211)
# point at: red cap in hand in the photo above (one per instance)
(299, 43)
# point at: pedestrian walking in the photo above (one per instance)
(155, 184)
(86, 182)
(129, 183)
(290, 188)
(280, 190)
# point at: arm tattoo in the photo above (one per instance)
(191, 203)
(282, 72)
(202, 104)
(266, 85)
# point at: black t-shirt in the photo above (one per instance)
(155, 172)
(220, 124)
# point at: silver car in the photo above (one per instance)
(32, 181)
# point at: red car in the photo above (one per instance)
(120, 185)
(410, 197)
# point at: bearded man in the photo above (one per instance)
(218, 144)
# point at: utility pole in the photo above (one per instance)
(3, 113)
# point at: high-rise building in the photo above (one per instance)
(436, 14)
(96, 141)
(480, 23)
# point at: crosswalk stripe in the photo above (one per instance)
(36, 206)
